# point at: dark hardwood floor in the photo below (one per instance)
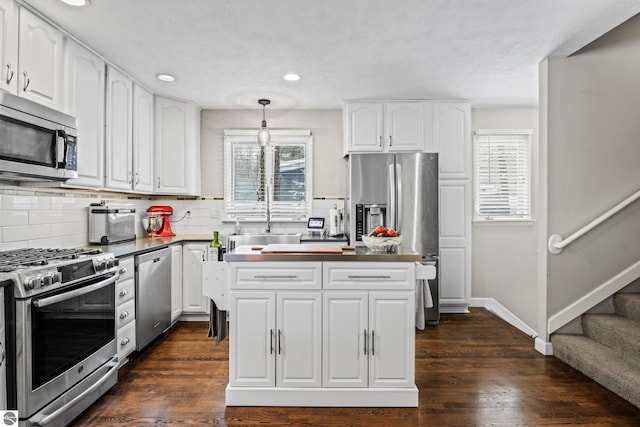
(472, 370)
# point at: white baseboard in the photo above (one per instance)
(501, 311)
(544, 347)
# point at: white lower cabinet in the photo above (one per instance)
(344, 338)
(275, 339)
(368, 339)
(193, 301)
(126, 309)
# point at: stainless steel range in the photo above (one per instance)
(64, 331)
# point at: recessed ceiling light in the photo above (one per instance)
(165, 77)
(78, 3)
(291, 77)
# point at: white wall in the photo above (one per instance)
(593, 134)
(504, 260)
(329, 166)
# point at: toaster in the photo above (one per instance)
(111, 223)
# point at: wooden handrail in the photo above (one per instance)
(557, 243)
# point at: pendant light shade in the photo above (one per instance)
(264, 136)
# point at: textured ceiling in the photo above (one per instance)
(230, 53)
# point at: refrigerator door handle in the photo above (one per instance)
(399, 201)
(391, 223)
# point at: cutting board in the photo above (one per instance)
(300, 249)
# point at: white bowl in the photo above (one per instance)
(382, 244)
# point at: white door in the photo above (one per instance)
(176, 282)
(40, 57)
(392, 339)
(344, 339)
(84, 99)
(299, 339)
(173, 130)
(8, 46)
(404, 126)
(364, 126)
(119, 128)
(193, 301)
(252, 340)
(142, 140)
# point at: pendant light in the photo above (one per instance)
(264, 136)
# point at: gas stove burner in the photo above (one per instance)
(35, 257)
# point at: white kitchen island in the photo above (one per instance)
(321, 329)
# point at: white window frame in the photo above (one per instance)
(257, 211)
(522, 199)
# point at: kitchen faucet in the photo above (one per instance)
(268, 230)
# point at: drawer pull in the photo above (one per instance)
(124, 314)
(270, 341)
(364, 333)
(279, 341)
(123, 293)
(125, 341)
(369, 277)
(288, 277)
(373, 343)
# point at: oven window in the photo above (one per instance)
(26, 143)
(66, 332)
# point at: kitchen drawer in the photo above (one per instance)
(126, 341)
(127, 268)
(125, 314)
(125, 291)
(369, 275)
(276, 275)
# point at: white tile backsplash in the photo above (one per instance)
(61, 220)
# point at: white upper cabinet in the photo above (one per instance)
(84, 99)
(119, 131)
(177, 154)
(142, 139)
(391, 126)
(40, 59)
(452, 138)
(8, 46)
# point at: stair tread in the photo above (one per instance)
(628, 305)
(614, 331)
(601, 363)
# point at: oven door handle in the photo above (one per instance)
(72, 294)
(47, 419)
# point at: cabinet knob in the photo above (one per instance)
(123, 293)
(123, 270)
(9, 74)
(124, 314)
(27, 80)
(125, 341)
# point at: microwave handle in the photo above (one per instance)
(61, 138)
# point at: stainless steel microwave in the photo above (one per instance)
(36, 142)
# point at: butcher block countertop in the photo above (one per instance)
(302, 252)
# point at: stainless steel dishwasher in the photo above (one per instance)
(153, 295)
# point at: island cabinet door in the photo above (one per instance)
(299, 339)
(391, 339)
(252, 339)
(344, 350)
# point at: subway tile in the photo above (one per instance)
(49, 242)
(12, 246)
(70, 228)
(25, 232)
(25, 203)
(66, 203)
(13, 218)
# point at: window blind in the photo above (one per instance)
(279, 174)
(502, 168)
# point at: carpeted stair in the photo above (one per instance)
(609, 350)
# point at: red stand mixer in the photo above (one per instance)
(158, 221)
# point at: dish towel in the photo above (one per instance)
(217, 323)
(423, 300)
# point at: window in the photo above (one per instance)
(279, 174)
(502, 174)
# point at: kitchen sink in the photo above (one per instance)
(260, 239)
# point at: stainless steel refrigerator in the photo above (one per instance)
(398, 191)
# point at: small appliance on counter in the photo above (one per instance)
(336, 221)
(157, 221)
(315, 225)
(111, 223)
